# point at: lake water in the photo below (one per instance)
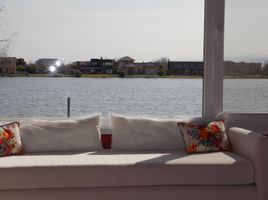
(165, 98)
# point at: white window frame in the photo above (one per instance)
(213, 71)
(213, 57)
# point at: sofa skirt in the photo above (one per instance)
(136, 193)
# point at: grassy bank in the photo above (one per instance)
(99, 76)
(102, 76)
(134, 76)
(157, 76)
(39, 75)
(247, 77)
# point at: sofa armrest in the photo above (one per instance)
(254, 147)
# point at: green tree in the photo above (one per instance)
(163, 61)
(162, 71)
(265, 69)
(122, 75)
(20, 68)
(31, 69)
(76, 73)
(163, 65)
(42, 69)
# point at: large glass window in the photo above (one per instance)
(142, 57)
(246, 58)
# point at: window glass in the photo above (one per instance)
(246, 58)
(142, 57)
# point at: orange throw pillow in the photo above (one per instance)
(204, 137)
(10, 141)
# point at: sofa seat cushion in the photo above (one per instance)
(107, 168)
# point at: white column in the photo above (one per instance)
(213, 57)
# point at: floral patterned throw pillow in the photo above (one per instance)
(200, 137)
(10, 142)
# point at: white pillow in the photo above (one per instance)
(220, 116)
(61, 135)
(145, 134)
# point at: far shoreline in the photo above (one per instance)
(128, 76)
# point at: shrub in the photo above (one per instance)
(265, 69)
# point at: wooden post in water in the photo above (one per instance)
(68, 107)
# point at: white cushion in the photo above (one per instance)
(145, 134)
(123, 169)
(220, 116)
(61, 135)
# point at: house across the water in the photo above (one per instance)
(8, 65)
(95, 66)
(182, 68)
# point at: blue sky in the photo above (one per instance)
(143, 29)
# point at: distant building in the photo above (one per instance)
(242, 68)
(96, 66)
(46, 62)
(83, 66)
(104, 66)
(127, 66)
(148, 68)
(185, 68)
(125, 61)
(8, 65)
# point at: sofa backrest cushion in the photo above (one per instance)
(145, 134)
(223, 116)
(61, 135)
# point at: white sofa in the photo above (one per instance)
(157, 174)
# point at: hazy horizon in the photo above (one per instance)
(143, 29)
